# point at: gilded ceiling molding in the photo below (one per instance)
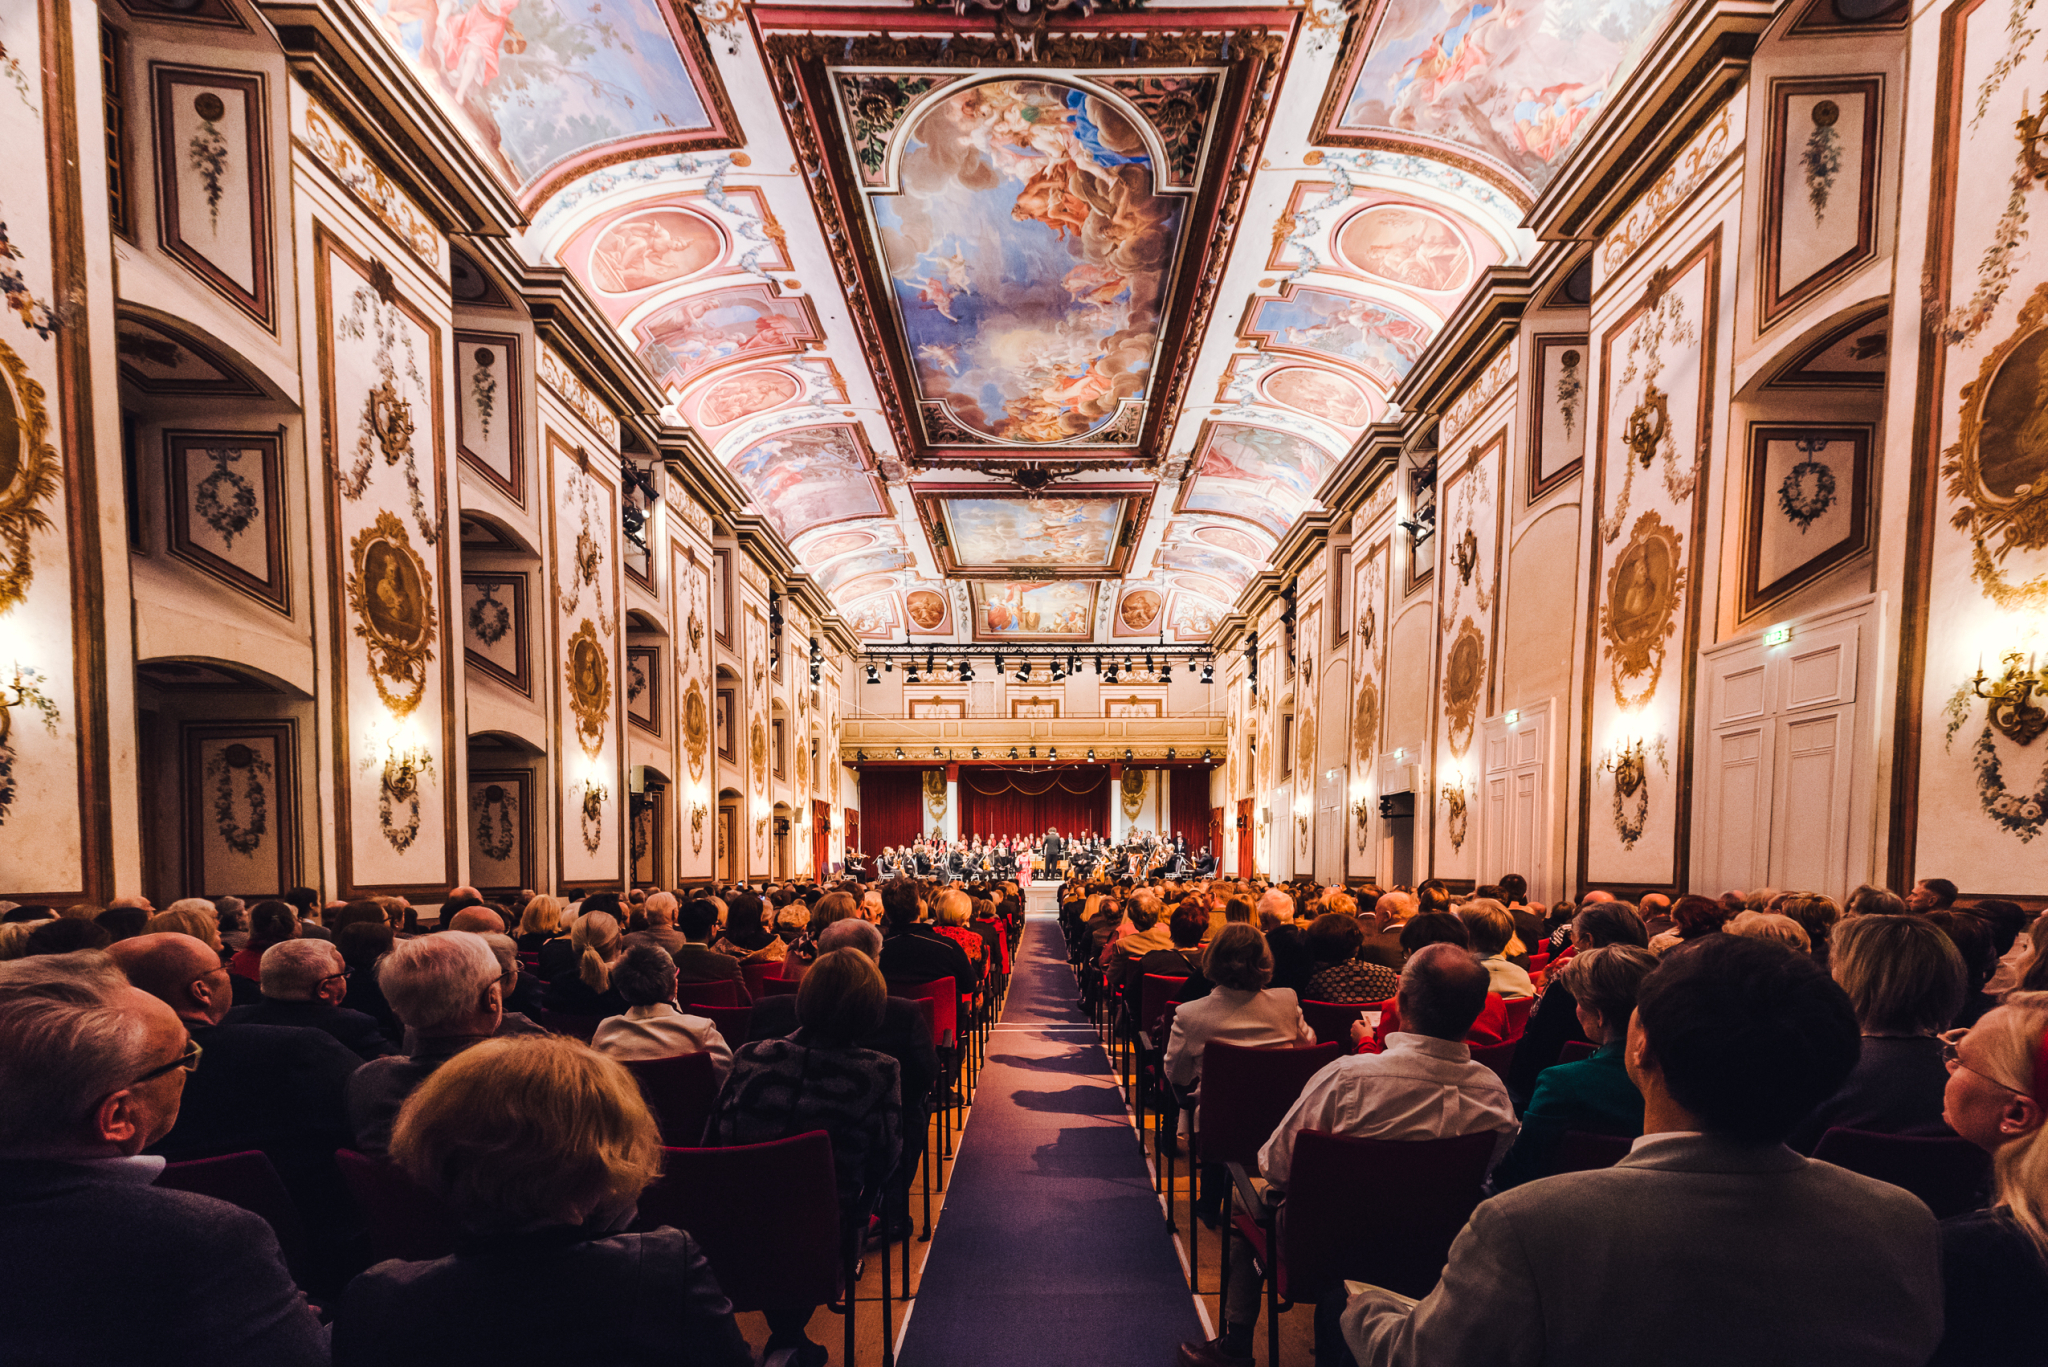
(321, 136)
(1492, 381)
(556, 375)
(1706, 154)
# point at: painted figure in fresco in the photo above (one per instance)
(469, 46)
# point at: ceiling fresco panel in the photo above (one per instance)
(1076, 532)
(1033, 611)
(811, 477)
(1376, 338)
(680, 341)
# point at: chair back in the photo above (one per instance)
(248, 1180)
(1153, 996)
(766, 1216)
(792, 971)
(1247, 1092)
(404, 1219)
(719, 993)
(1584, 1151)
(562, 1023)
(1518, 1014)
(1951, 1175)
(529, 959)
(680, 1091)
(1382, 1211)
(1332, 1020)
(1574, 1050)
(759, 972)
(780, 987)
(944, 995)
(1496, 1056)
(735, 1023)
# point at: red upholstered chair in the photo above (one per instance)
(720, 993)
(733, 1022)
(778, 987)
(562, 1023)
(1518, 1014)
(680, 1091)
(1332, 1020)
(247, 1180)
(758, 973)
(404, 1219)
(1951, 1175)
(944, 995)
(1154, 992)
(1584, 1151)
(792, 971)
(1574, 1050)
(1382, 1211)
(767, 1218)
(1165, 1135)
(1496, 1056)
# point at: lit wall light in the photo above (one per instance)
(1778, 635)
(1514, 718)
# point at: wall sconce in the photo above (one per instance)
(406, 764)
(698, 813)
(591, 819)
(2012, 708)
(1361, 813)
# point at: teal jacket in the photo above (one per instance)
(1594, 1094)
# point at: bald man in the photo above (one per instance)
(481, 920)
(304, 983)
(278, 1088)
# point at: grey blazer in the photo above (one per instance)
(1691, 1250)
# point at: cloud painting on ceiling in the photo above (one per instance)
(1074, 533)
(1030, 245)
(544, 89)
(929, 608)
(809, 477)
(1374, 337)
(1060, 611)
(680, 341)
(1234, 574)
(1510, 85)
(1138, 611)
(1236, 541)
(1257, 473)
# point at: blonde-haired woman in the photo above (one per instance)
(541, 1148)
(584, 986)
(1995, 1261)
(543, 930)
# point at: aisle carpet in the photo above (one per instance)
(1052, 1248)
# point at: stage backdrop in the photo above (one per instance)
(891, 808)
(997, 801)
(1190, 805)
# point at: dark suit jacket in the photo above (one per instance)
(624, 1299)
(358, 1031)
(697, 963)
(1593, 1094)
(920, 955)
(1293, 965)
(902, 1037)
(380, 1088)
(1647, 1262)
(1052, 852)
(1896, 1088)
(98, 1266)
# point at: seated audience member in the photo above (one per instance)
(123, 923)
(585, 988)
(1491, 928)
(304, 983)
(1972, 936)
(278, 1088)
(1490, 1027)
(1593, 1094)
(652, 1026)
(97, 1265)
(1393, 912)
(1286, 940)
(540, 1147)
(270, 923)
(478, 920)
(445, 989)
(1817, 916)
(660, 910)
(2008, 922)
(1149, 932)
(1995, 1262)
(1931, 894)
(833, 907)
(953, 915)
(520, 992)
(1185, 928)
(1335, 942)
(188, 916)
(1733, 1041)
(820, 1078)
(747, 935)
(1905, 981)
(696, 960)
(362, 945)
(1513, 892)
(233, 916)
(1765, 925)
(1555, 1020)
(65, 935)
(913, 951)
(1867, 900)
(541, 928)
(2031, 972)
(1692, 917)
(1425, 1086)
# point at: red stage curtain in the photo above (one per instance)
(1190, 807)
(997, 801)
(892, 808)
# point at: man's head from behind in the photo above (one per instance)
(1745, 1035)
(1443, 990)
(661, 910)
(1395, 907)
(1276, 907)
(180, 971)
(697, 919)
(481, 920)
(304, 971)
(851, 934)
(88, 1063)
(443, 985)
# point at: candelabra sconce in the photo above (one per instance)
(1361, 814)
(1301, 831)
(2011, 708)
(698, 814)
(2032, 134)
(405, 766)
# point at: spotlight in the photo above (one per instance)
(1091, 756)
(1165, 673)
(1148, 664)
(1013, 752)
(861, 755)
(1098, 664)
(1053, 753)
(1205, 754)
(1169, 752)
(1034, 752)
(1127, 754)
(1208, 673)
(976, 752)
(935, 752)
(931, 661)
(1059, 671)
(899, 752)
(1023, 671)
(967, 671)
(874, 675)
(999, 664)
(888, 666)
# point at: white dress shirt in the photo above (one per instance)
(1258, 1020)
(1420, 1088)
(661, 1031)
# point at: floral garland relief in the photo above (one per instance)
(697, 815)
(37, 316)
(2023, 814)
(232, 516)
(401, 784)
(489, 620)
(483, 390)
(244, 838)
(1570, 385)
(386, 426)
(2000, 262)
(28, 471)
(1648, 434)
(588, 560)
(1801, 509)
(1822, 159)
(591, 823)
(208, 151)
(1457, 821)
(494, 840)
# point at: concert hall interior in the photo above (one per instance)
(560, 560)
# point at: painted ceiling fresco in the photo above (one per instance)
(1136, 257)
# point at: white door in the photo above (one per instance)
(1514, 791)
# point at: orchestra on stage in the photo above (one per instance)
(1141, 854)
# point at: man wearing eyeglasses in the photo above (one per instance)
(96, 1263)
(304, 982)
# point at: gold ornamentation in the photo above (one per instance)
(1365, 721)
(1701, 158)
(1133, 792)
(1647, 433)
(339, 154)
(1301, 831)
(1492, 380)
(588, 670)
(391, 594)
(591, 822)
(389, 419)
(694, 628)
(1305, 745)
(1644, 587)
(28, 476)
(1464, 681)
(1630, 765)
(555, 373)
(698, 811)
(696, 728)
(757, 750)
(1457, 821)
(1998, 467)
(803, 769)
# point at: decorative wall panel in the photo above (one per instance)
(213, 181)
(1651, 454)
(1820, 187)
(381, 426)
(496, 630)
(501, 853)
(241, 807)
(1807, 506)
(226, 499)
(1470, 520)
(584, 524)
(1368, 667)
(490, 389)
(1560, 411)
(643, 688)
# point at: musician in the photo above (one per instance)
(956, 862)
(1053, 850)
(1205, 866)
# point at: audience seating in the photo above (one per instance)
(1951, 1175)
(248, 1180)
(721, 993)
(1332, 1020)
(733, 1022)
(1166, 1115)
(1574, 1050)
(1497, 1056)
(1382, 1211)
(1584, 1151)
(403, 1218)
(681, 1092)
(757, 973)
(1518, 1009)
(778, 987)
(944, 995)
(562, 1023)
(1154, 993)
